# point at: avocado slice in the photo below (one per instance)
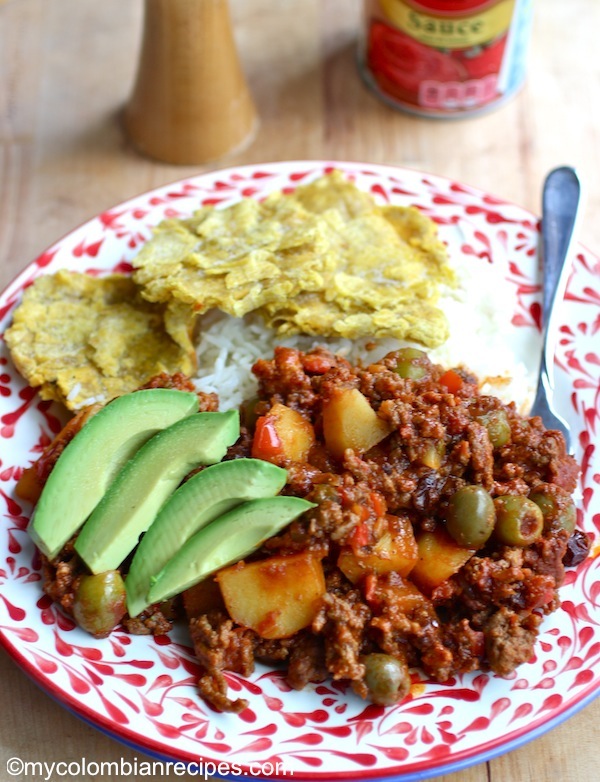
(201, 499)
(90, 462)
(144, 484)
(224, 541)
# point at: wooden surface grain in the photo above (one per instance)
(66, 70)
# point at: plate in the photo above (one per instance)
(141, 689)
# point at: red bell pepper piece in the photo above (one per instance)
(266, 444)
(452, 380)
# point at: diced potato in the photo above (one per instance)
(439, 558)
(275, 597)
(398, 595)
(202, 598)
(282, 435)
(349, 421)
(396, 550)
(29, 487)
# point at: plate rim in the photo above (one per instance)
(472, 756)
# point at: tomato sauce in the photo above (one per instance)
(445, 58)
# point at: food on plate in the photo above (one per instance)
(439, 557)
(433, 550)
(349, 421)
(81, 474)
(144, 484)
(282, 435)
(83, 339)
(229, 538)
(202, 498)
(471, 516)
(99, 602)
(324, 260)
(362, 509)
(276, 597)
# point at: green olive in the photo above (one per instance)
(100, 602)
(470, 517)
(558, 509)
(519, 521)
(387, 678)
(498, 427)
(411, 363)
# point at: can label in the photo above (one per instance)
(445, 57)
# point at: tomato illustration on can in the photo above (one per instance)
(445, 58)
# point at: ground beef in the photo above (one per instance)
(219, 646)
(407, 626)
(509, 639)
(61, 576)
(342, 621)
(466, 644)
(274, 649)
(507, 579)
(307, 662)
(152, 621)
(290, 377)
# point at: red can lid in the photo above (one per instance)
(452, 6)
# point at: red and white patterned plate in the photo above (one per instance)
(141, 689)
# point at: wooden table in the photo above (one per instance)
(66, 68)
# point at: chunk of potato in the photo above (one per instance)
(349, 421)
(202, 598)
(282, 435)
(439, 558)
(395, 551)
(275, 597)
(395, 594)
(29, 486)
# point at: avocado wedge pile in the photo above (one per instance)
(120, 479)
(94, 457)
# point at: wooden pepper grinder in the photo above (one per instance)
(190, 103)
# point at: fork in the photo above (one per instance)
(560, 206)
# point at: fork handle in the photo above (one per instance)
(560, 208)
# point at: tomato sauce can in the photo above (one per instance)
(445, 58)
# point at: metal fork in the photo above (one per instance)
(560, 207)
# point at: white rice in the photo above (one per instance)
(482, 339)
